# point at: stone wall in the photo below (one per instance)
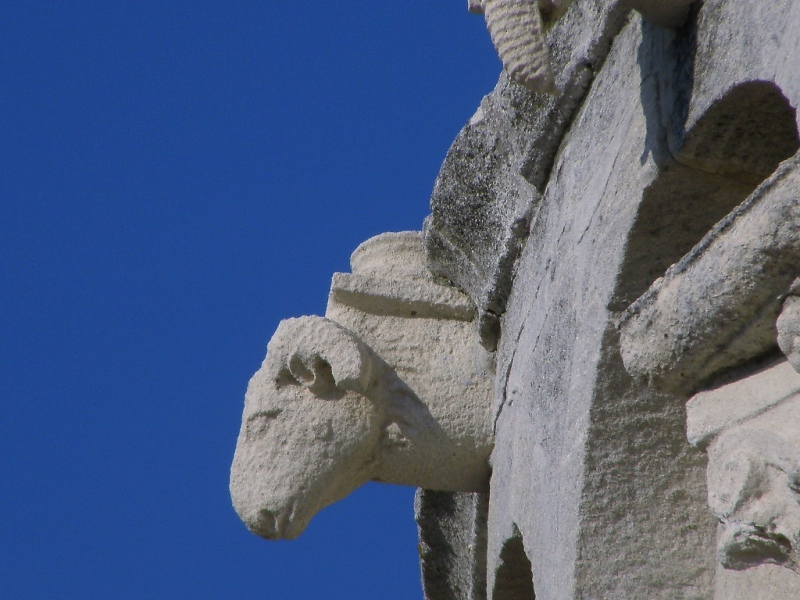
(629, 242)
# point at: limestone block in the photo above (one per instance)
(517, 28)
(452, 544)
(746, 396)
(751, 426)
(491, 180)
(741, 88)
(716, 308)
(391, 386)
(591, 467)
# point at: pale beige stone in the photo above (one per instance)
(754, 490)
(753, 469)
(711, 411)
(517, 28)
(393, 386)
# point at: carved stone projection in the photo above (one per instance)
(717, 307)
(391, 386)
(752, 430)
(493, 177)
(518, 28)
(555, 213)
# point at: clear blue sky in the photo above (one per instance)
(177, 177)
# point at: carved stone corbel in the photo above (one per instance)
(713, 315)
(392, 386)
(716, 308)
(517, 28)
(751, 428)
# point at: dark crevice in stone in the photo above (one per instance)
(514, 576)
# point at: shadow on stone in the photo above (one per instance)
(514, 579)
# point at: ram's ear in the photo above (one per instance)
(322, 355)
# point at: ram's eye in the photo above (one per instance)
(258, 423)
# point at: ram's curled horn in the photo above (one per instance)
(322, 355)
(517, 29)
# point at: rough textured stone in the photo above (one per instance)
(737, 398)
(667, 13)
(716, 308)
(491, 180)
(518, 35)
(770, 582)
(753, 478)
(392, 386)
(594, 480)
(517, 28)
(592, 467)
(788, 326)
(452, 536)
(741, 67)
(751, 425)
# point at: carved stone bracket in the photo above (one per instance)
(752, 429)
(391, 386)
(716, 308)
(712, 317)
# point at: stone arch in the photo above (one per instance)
(722, 156)
(745, 134)
(514, 575)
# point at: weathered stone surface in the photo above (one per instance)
(753, 479)
(491, 180)
(591, 466)
(742, 397)
(517, 28)
(594, 481)
(452, 544)
(637, 235)
(764, 581)
(741, 64)
(716, 308)
(751, 425)
(750, 422)
(395, 390)
(309, 430)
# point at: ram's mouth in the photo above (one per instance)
(275, 525)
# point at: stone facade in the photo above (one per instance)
(618, 376)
